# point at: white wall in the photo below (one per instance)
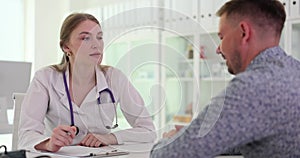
(43, 21)
(85, 4)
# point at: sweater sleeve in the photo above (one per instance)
(230, 120)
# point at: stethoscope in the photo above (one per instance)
(98, 101)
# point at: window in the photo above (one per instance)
(12, 30)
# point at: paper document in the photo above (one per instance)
(82, 151)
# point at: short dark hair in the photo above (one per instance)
(265, 14)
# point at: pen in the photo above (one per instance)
(108, 154)
(68, 133)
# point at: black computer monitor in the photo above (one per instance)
(14, 78)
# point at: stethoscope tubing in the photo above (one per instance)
(99, 102)
(115, 108)
(69, 100)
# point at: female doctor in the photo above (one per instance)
(75, 101)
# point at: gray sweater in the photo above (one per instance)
(258, 113)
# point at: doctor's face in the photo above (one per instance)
(86, 44)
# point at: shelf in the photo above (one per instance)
(200, 60)
(180, 123)
(184, 79)
(216, 78)
(190, 61)
(188, 79)
(143, 80)
(182, 120)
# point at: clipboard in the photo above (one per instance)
(81, 151)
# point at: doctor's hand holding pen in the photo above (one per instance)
(62, 135)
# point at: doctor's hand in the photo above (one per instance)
(62, 135)
(97, 140)
(172, 132)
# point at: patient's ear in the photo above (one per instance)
(245, 31)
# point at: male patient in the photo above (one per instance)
(259, 111)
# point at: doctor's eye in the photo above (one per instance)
(85, 38)
(99, 37)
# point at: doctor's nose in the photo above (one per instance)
(95, 44)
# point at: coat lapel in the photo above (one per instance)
(59, 87)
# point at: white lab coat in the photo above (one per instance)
(46, 106)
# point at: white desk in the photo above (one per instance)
(140, 150)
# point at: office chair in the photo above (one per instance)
(18, 99)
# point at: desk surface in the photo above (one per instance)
(140, 150)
